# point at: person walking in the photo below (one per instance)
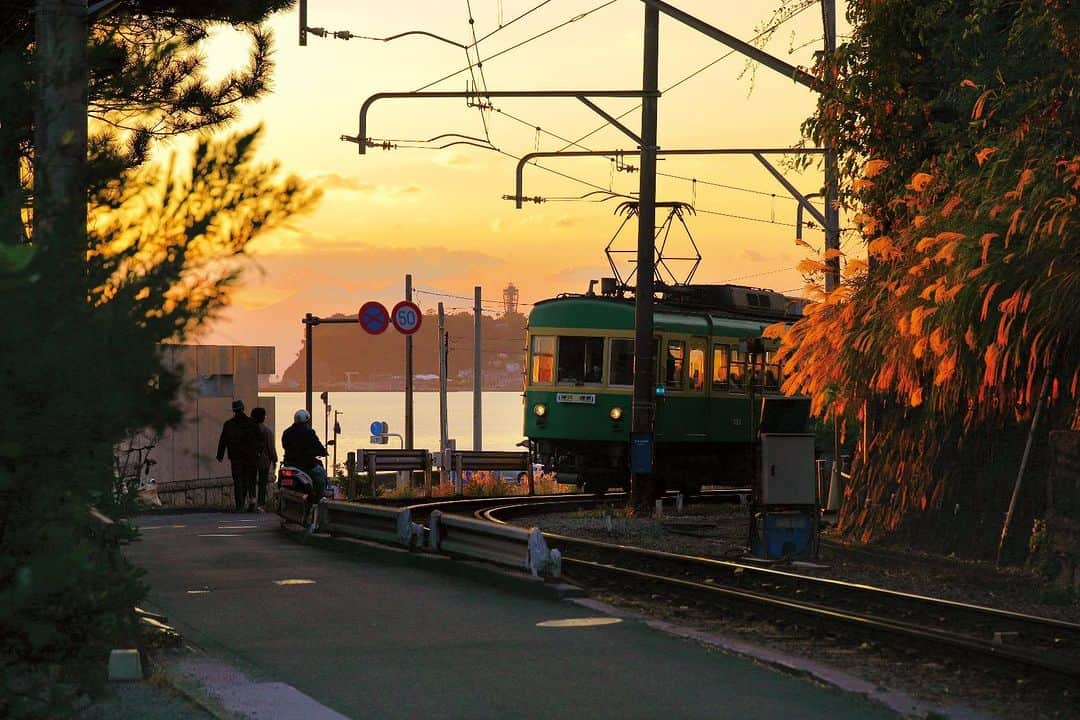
(265, 455)
(240, 438)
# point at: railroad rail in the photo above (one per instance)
(1028, 640)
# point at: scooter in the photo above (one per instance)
(298, 481)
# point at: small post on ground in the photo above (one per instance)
(443, 352)
(478, 359)
(408, 375)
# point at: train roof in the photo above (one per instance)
(615, 313)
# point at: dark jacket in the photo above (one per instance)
(267, 451)
(302, 446)
(240, 437)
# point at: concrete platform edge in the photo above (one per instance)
(899, 702)
(489, 574)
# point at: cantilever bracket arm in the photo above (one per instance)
(361, 138)
(519, 181)
(800, 76)
(794, 193)
(611, 119)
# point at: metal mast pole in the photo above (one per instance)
(478, 358)
(832, 176)
(309, 322)
(442, 379)
(643, 405)
(408, 374)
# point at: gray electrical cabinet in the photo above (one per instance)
(787, 470)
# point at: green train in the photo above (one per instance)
(715, 374)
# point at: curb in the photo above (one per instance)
(901, 703)
(477, 571)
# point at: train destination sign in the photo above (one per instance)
(406, 317)
(576, 398)
(373, 317)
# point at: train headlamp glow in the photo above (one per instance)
(539, 409)
(615, 413)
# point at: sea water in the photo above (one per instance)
(502, 418)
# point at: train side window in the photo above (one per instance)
(737, 368)
(581, 360)
(543, 359)
(674, 364)
(696, 365)
(720, 367)
(772, 371)
(621, 371)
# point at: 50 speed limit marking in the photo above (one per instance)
(406, 317)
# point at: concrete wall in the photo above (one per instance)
(187, 470)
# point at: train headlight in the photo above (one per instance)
(615, 413)
(539, 410)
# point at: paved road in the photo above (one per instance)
(372, 637)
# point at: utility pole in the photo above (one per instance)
(309, 321)
(642, 488)
(408, 374)
(832, 175)
(478, 359)
(443, 435)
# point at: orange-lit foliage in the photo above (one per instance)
(971, 225)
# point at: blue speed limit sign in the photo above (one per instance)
(406, 317)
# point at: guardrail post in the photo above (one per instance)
(350, 475)
(371, 472)
(458, 475)
(427, 475)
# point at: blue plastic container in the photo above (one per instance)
(784, 535)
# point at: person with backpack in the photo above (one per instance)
(265, 456)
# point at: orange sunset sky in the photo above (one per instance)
(439, 214)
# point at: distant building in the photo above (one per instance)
(187, 470)
(510, 300)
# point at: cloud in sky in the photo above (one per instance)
(377, 192)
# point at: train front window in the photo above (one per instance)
(621, 371)
(720, 367)
(543, 359)
(673, 369)
(581, 360)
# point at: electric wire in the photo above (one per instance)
(479, 66)
(771, 28)
(524, 42)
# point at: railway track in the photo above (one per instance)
(1031, 641)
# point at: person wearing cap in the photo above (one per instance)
(240, 439)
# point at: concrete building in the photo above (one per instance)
(187, 471)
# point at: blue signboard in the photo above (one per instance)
(641, 452)
(379, 427)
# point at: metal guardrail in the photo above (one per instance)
(517, 547)
(370, 522)
(373, 461)
(291, 506)
(490, 460)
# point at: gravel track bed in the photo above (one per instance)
(721, 532)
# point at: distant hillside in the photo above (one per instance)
(346, 357)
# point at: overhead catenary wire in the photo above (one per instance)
(569, 143)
